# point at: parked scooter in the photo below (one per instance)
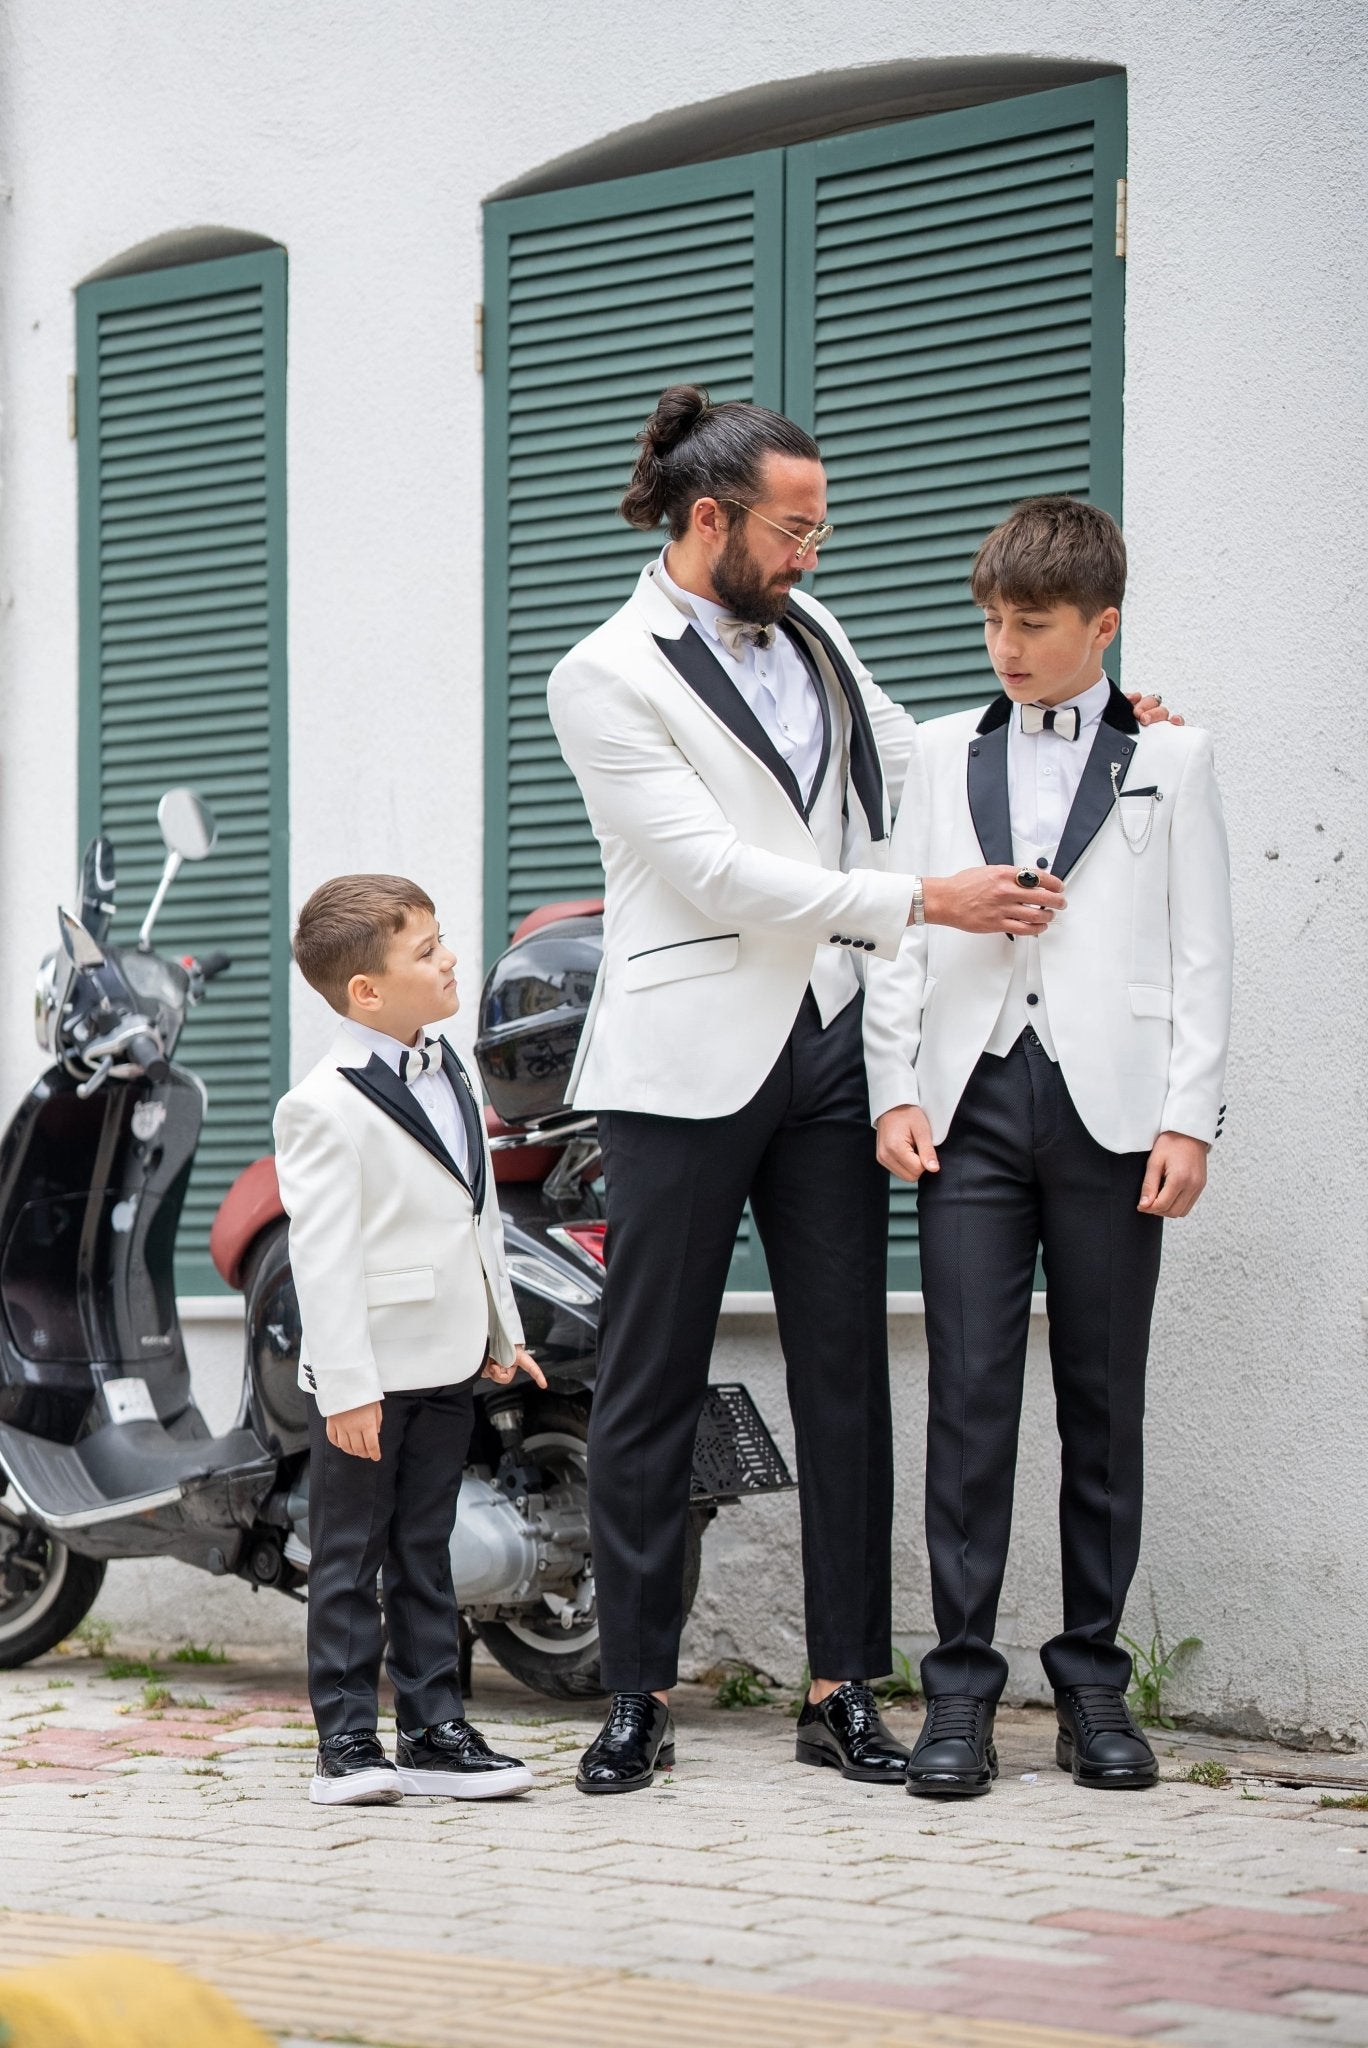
(103, 1452)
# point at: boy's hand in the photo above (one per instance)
(992, 900)
(1152, 710)
(905, 1146)
(1175, 1176)
(523, 1361)
(357, 1430)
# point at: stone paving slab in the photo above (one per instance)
(1229, 1916)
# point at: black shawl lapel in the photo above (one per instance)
(865, 771)
(989, 798)
(707, 678)
(384, 1088)
(472, 1116)
(1108, 764)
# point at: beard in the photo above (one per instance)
(742, 586)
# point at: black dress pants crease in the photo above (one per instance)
(1020, 1172)
(391, 1519)
(802, 1150)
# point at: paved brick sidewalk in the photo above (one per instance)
(1231, 1917)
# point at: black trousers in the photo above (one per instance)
(1019, 1172)
(802, 1150)
(390, 1519)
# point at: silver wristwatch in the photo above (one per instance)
(918, 901)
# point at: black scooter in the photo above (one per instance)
(103, 1452)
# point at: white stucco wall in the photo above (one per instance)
(364, 139)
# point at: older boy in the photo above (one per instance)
(1072, 1083)
(398, 1259)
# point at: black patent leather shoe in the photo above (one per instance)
(452, 1760)
(353, 1770)
(845, 1732)
(1100, 1743)
(954, 1757)
(636, 1739)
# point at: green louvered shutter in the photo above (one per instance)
(595, 300)
(954, 342)
(181, 418)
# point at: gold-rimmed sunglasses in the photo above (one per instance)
(817, 538)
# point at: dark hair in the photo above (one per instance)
(1052, 551)
(692, 449)
(347, 927)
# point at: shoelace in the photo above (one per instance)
(862, 1710)
(630, 1712)
(953, 1717)
(1101, 1709)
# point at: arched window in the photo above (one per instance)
(938, 299)
(181, 466)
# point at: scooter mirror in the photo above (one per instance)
(77, 943)
(187, 824)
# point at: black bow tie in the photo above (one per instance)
(1064, 721)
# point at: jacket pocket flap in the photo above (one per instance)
(685, 957)
(1149, 1000)
(408, 1283)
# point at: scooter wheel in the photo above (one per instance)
(46, 1613)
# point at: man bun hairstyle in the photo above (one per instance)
(1052, 551)
(692, 449)
(347, 927)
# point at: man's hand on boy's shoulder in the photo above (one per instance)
(1175, 1176)
(1152, 710)
(357, 1430)
(523, 1361)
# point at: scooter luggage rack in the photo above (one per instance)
(549, 1131)
(734, 1453)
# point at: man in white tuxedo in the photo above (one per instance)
(1056, 1092)
(398, 1257)
(738, 764)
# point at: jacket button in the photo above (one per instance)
(834, 940)
(869, 945)
(1033, 1000)
(1041, 861)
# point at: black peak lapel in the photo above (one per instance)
(989, 800)
(384, 1088)
(1107, 766)
(472, 1116)
(1118, 711)
(866, 772)
(707, 678)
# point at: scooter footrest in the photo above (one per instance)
(734, 1452)
(126, 1468)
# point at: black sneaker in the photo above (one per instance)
(353, 1770)
(954, 1757)
(1100, 1743)
(452, 1760)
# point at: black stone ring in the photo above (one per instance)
(1027, 878)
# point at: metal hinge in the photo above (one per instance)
(479, 340)
(71, 407)
(1122, 219)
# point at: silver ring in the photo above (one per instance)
(1027, 878)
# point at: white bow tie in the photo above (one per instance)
(737, 634)
(417, 1060)
(1063, 721)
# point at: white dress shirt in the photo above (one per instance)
(773, 681)
(432, 1091)
(1043, 774)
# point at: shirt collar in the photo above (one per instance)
(1091, 703)
(388, 1048)
(704, 609)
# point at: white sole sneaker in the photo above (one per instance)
(464, 1784)
(358, 1788)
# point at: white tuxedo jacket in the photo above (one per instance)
(717, 896)
(398, 1259)
(1135, 972)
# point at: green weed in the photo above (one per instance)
(158, 1696)
(1208, 1772)
(1357, 1802)
(742, 1685)
(199, 1653)
(129, 1667)
(901, 1688)
(1151, 1672)
(94, 1637)
(54, 1685)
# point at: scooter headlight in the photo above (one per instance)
(54, 980)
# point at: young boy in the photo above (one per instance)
(1059, 1091)
(398, 1259)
